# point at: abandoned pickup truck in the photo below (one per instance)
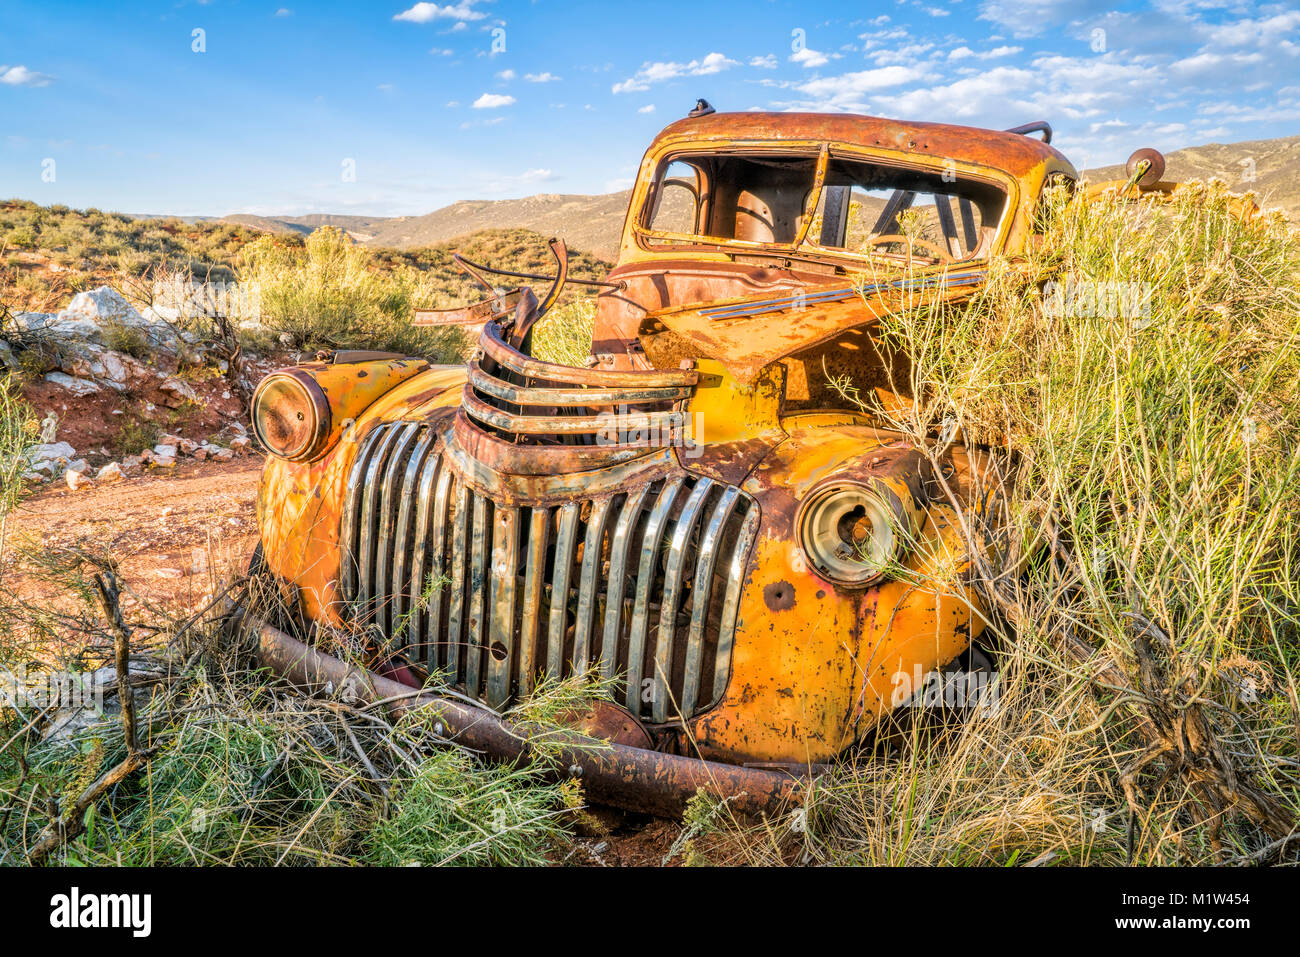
(697, 514)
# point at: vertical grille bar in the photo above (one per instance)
(539, 526)
(437, 545)
(410, 502)
(672, 597)
(564, 547)
(369, 518)
(644, 580)
(383, 563)
(702, 596)
(456, 603)
(353, 519)
(731, 603)
(589, 582)
(423, 533)
(619, 548)
(478, 557)
(501, 625)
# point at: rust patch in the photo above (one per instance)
(779, 596)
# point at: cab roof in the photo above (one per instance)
(1013, 153)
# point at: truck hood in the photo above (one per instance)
(748, 333)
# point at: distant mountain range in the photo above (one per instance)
(590, 223)
(594, 223)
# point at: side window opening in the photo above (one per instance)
(678, 199)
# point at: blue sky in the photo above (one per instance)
(399, 108)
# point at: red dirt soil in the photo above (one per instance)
(172, 533)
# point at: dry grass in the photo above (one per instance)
(1135, 548)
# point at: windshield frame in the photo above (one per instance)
(664, 241)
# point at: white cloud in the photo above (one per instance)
(908, 53)
(767, 62)
(541, 77)
(442, 51)
(506, 75)
(659, 71)
(808, 58)
(848, 90)
(491, 101)
(1030, 17)
(284, 12)
(648, 108)
(965, 53)
(425, 12)
(1246, 31)
(21, 76)
(1203, 64)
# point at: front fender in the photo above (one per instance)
(299, 504)
(815, 664)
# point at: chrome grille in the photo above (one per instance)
(642, 583)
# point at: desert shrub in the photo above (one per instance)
(16, 434)
(21, 238)
(1134, 546)
(330, 294)
(243, 770)
(123, 338)
(564, 335)
(452, 809)
(134, 435)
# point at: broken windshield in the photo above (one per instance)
(833, 204)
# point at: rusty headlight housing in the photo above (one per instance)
(851, 531)
(291, 415)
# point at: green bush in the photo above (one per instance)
(329, 293)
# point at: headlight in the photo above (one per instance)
(291, 415)
(850, 532)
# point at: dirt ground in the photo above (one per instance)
(172, 533)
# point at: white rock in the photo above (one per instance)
(75, 386)
(75, 479)
(163, 461)
(78, 466)
(51, 450)
(112, 472)
(131, 462)
(100, 304)
(33, 321)
(239, 444)
(177, 391)
(164, 448)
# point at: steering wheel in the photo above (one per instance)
(934, 249)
